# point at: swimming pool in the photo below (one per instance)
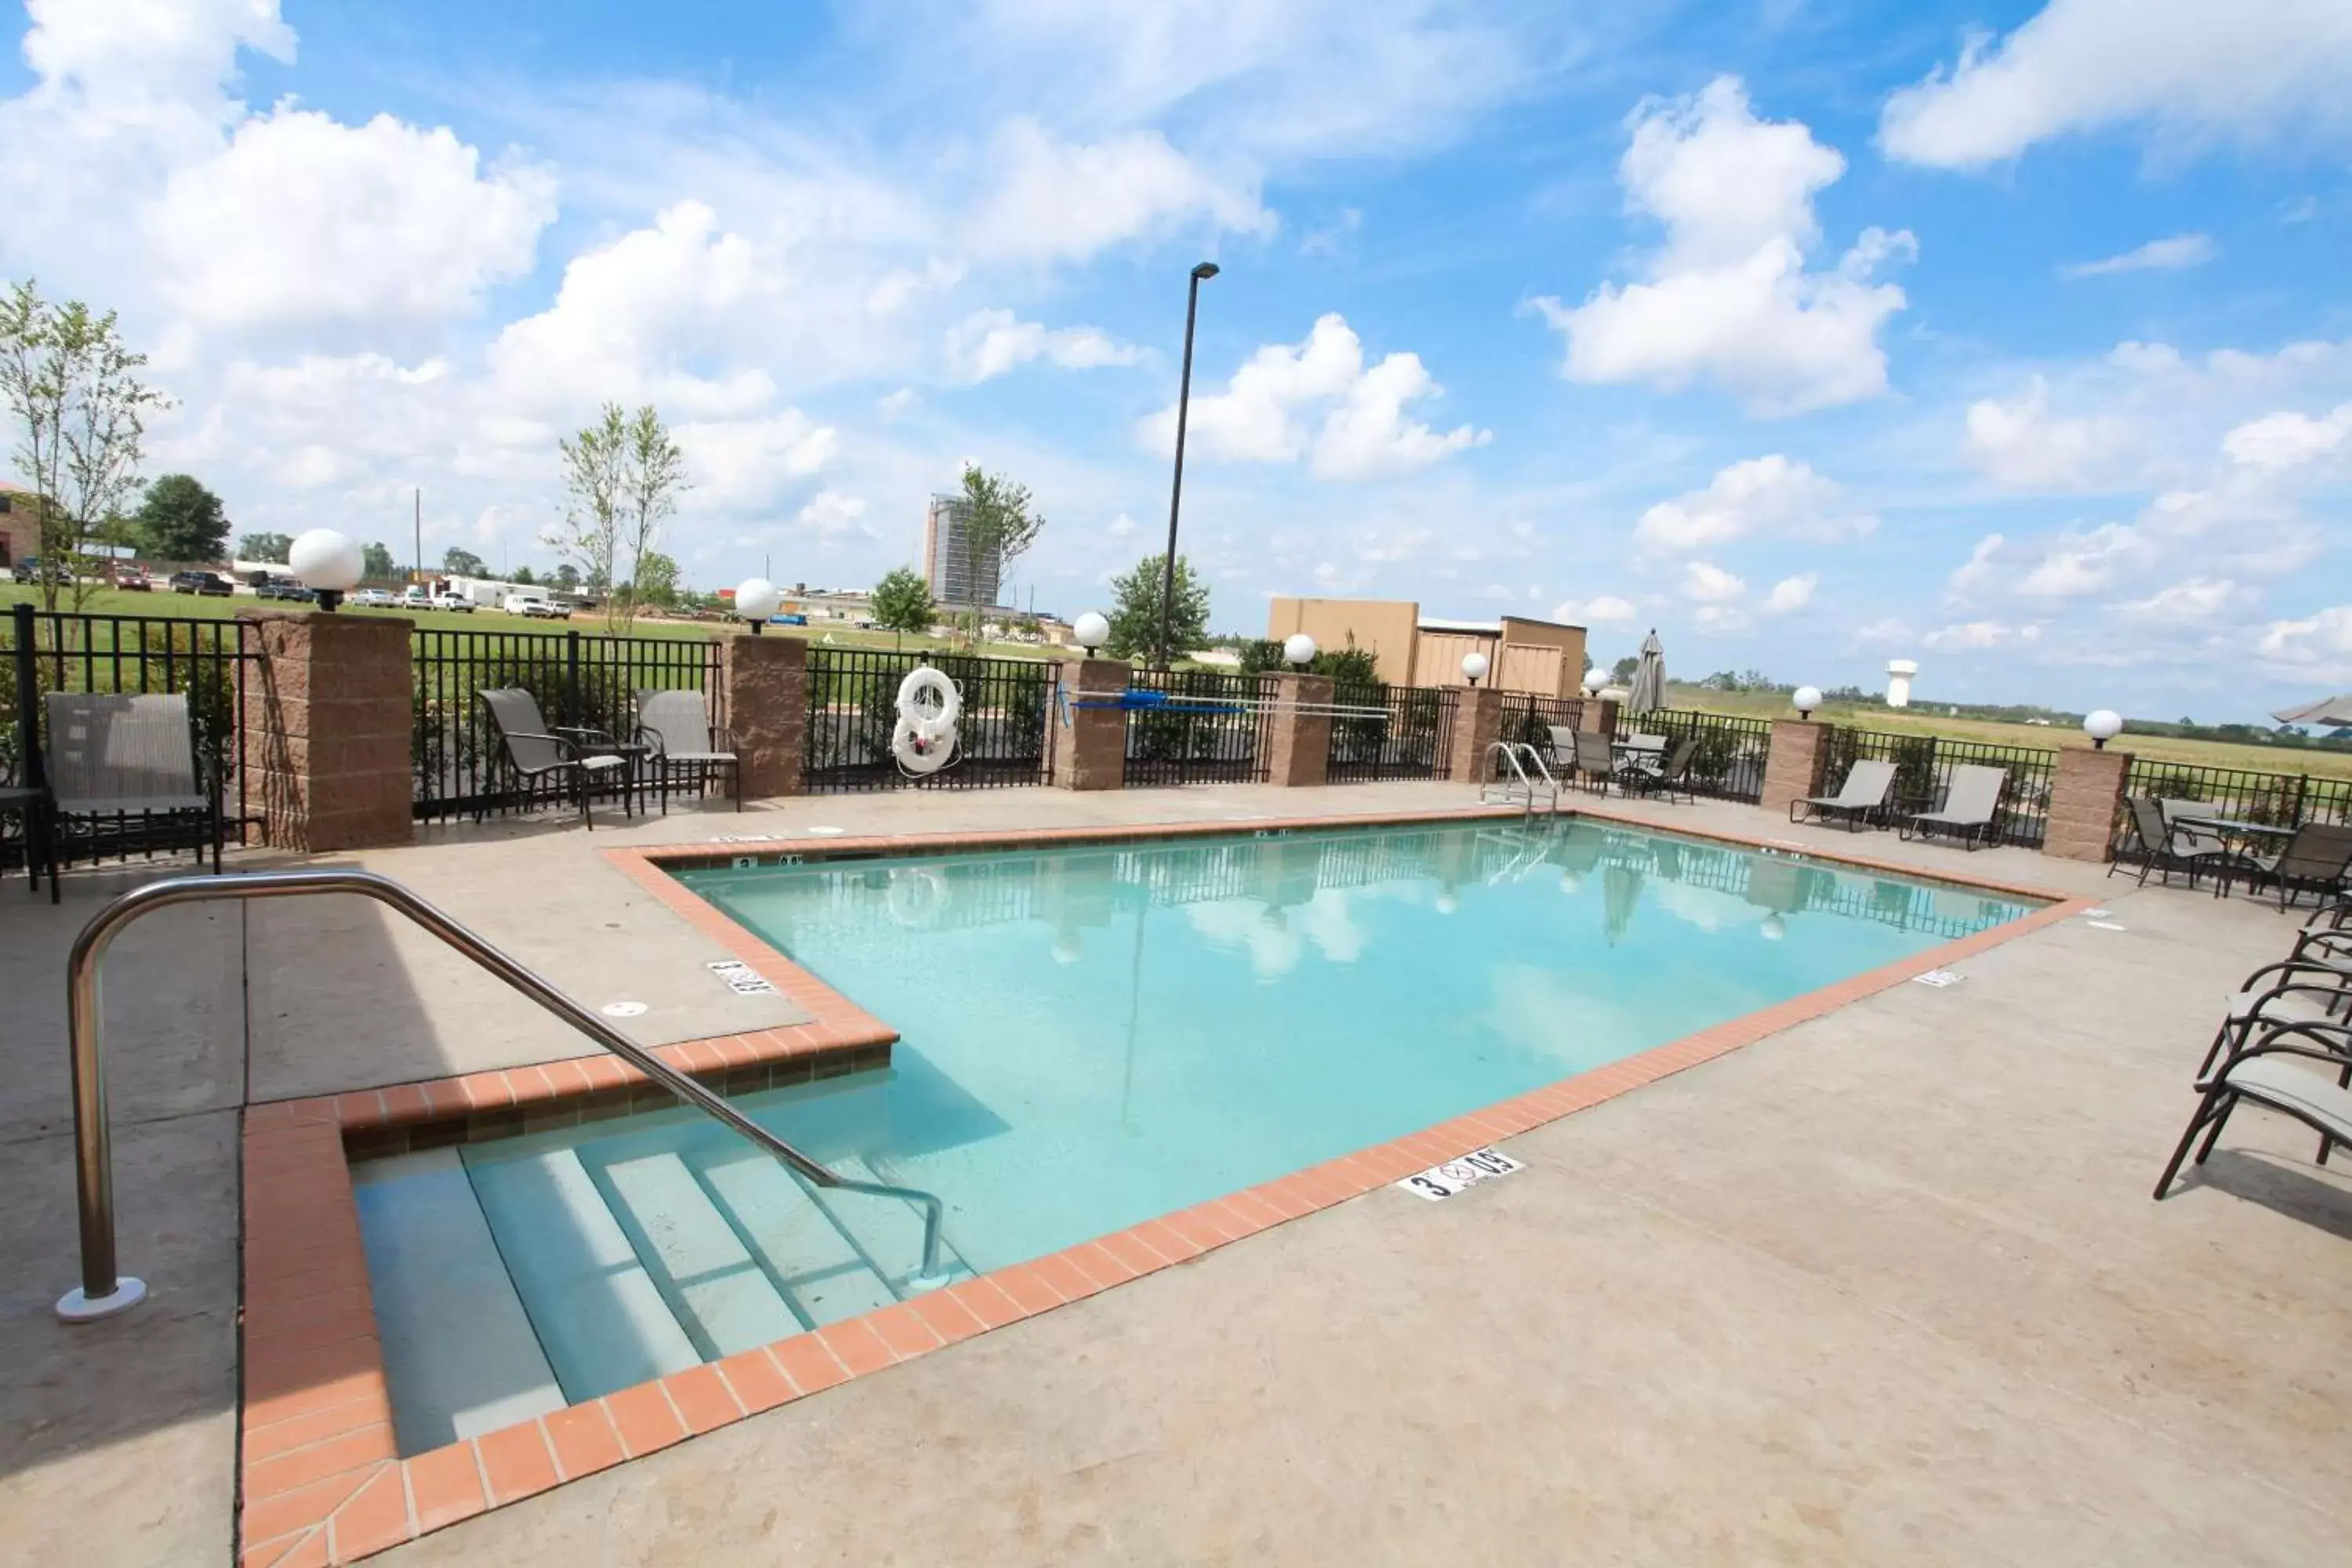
(1092, 1037)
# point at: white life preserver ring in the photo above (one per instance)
(917, 753)
(916, 898)
(934, 720)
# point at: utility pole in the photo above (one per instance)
(1206, 269)
(420, 534)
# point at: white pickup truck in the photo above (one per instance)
(531, 607)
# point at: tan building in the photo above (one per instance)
(1415, 650)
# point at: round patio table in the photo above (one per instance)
(2229, 828)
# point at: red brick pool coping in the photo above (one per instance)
(319, 1479)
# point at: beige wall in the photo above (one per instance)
(1439, 658)
(1527, 667)
(1386, 627)
(1566, 674)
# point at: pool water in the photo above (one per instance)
(1092, 1037)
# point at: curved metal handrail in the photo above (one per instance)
(102, 1293)
(1509, 751)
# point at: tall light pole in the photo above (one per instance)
(1207, 269)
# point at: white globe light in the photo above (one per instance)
(1091, 630)
(1772, 928)
(1474, 666)
(1807, 698)
(1447, 902)
(326, 560)
(756, 598)
(1594, 679)
(1299, 649)
(2102, 725)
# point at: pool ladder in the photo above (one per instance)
(1519, 786)
(104, 1291)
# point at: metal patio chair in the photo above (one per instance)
(536, 750)
(1972, 803)
(1859, 799)
(2272, 1074)
(1641, 775)
(1595, 758)
(2314, 860)
(680, 735)
(123, 774)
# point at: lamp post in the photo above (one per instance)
(1299, 650)
(328, 563)
(756, 599)
(1474, 668)
(1200, 274)
(1595, 680)
(1805, 700)
(1091, 630)
(2102, 725)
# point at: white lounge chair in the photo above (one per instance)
(1971, 803)
(1862, 797)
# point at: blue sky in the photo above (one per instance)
(2009, 338)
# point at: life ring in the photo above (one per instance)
(916, 898)
(934, 720)
(916, 755)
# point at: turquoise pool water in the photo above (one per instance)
(1091, 1037)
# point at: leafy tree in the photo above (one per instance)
(567, 578)
(79, 416)
(999, 524)
(180, 519)
(1134, 612)
(1624, 669)
(902, 602)
(273, 547)
(653, 475)
(655, 583)
(1348, 666)
(621, 476)
(523, 578)
(376, 563)
(462, 562)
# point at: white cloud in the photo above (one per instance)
(2077, 564)
(2190, 67)
(988, 343)
(1602, 610)
(2019, 446)
(1704, 582)
(1123, 527)
(1976, 636)
(1063, 201)
(2288, 440)
(830, 512)
(1978, 571)
(2194, 599)
(1760, 496)
(2157, 256)
(1263, 414)
(744, 464)
(1791, 594)
(2318, 647)
(1727, 296)
(132, 63)
(1720, 618)
(891, 405)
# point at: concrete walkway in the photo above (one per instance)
(1885, 1285)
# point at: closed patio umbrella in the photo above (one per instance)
(1649, 677)
(2333, 713)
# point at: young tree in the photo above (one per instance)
(595, 465)
(1135, 611)
(655, 583)
(566, 577)
(652, 477)
(377, 564)
(180, 519)
(79, 413)
(998, 525)
(462, 562)
(523, 578)
(902, 602)
(273, 547)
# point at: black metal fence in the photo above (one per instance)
(1002, 737)
(1529, 720)
(207, 661)
(1922, 774)
(2281, 800)
(1412, 737)
(580, 680)
(1212, 728)
(1729, 760)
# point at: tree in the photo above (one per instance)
(79, 413)
(461, 562)
(652, 477)
(180, 519)
(998, 525)
(523, 578)
(1135, 614)
(655, 583)
(567, 577)
(621, 478)
(376, 563)
(902, 602)
(271, 547)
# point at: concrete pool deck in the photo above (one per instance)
(1887, 1283)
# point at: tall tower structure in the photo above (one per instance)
(958, 577)
(1899, 672)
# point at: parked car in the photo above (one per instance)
(131, 580)
(457, 603)
(416, 596)
(206, 585)
(371, 599)
(30, 570)
(532, 607)
(282, 588)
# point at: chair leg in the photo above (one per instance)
(2205, 1108)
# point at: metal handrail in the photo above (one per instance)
(103, 1292)
(1509, 752)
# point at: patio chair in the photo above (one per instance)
(2293, 991)
(535, 751)
(1860, 798)
(1595, 759)
(1640, 776)
(678, 732)
(1970, 804)
(2163, 846)
(2315, 860)
(2191, 839)
(122, 770)
(2270, 1074)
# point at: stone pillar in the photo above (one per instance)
(1302, 741)
(1598, 715)
(763, 683)
(1792, 771)
(1477, 724)
(1090, 751)
(327, 731)
(2083, 799)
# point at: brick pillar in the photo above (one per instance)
(1302, 741)
(327, 731)
(763, 680)
(1477, 724)
(1792, 771)
(2083, 799)
(1090, 751)
(1598, 715)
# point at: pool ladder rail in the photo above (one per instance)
(1519, 788)
(104, 1291)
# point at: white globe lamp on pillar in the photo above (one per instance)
(1091, 630)
(756, 599)
(1594, 679)
(1474, 668)
(2102, 725)
(1299, 649)
(1805, 700)
(328, 563)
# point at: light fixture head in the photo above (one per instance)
(756, 599)
(328, 563)
(1091, 630)
(1299, 649)
(1475, 667)
(1206, 270)
(2102, 725)
(1806, 699)
(1594, 679)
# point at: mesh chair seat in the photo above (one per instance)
(122, 756)
(132, 806)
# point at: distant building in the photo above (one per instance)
(959, 579)
(1900, 673)
(20, 524)
(1409, 648)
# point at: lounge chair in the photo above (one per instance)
(2297, 990)
(678, 732)
(1639, 776)
(534, 750)
(2270, 1073)
(1595, 759)
(1971, 803)
(2313, 860)
(122, 773)
(1862, 797)
(2166, 848)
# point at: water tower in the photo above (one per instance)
(1899, 672)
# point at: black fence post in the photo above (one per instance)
(29, 700)
(571, 678)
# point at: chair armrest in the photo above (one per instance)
(652, 742)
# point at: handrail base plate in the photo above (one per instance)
(74, 1306)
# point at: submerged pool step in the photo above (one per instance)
(824, 1272)
(720, 1293)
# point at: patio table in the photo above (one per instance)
(2229, 828)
